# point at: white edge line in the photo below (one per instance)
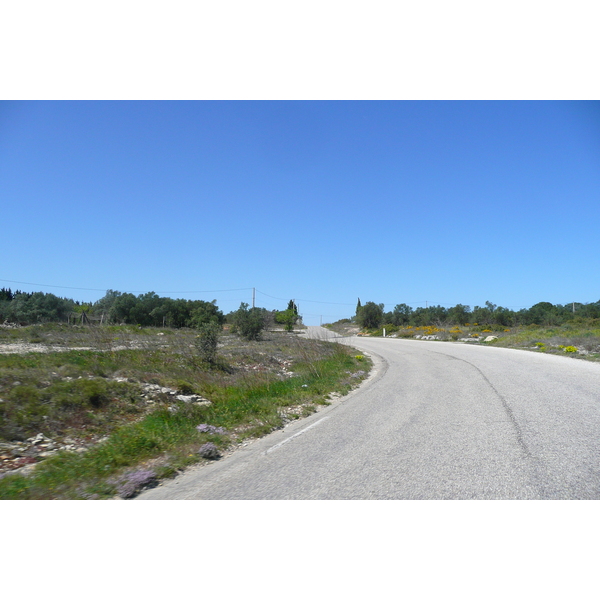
(296, 435)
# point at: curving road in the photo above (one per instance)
(435, 420)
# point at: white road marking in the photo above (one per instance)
(296, 435)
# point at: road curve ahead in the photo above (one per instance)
(436, 420)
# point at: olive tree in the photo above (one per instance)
(249, 322)
(370, 315)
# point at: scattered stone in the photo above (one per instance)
(40, 438)
(490, 338)
(357, 374)
(193, 399)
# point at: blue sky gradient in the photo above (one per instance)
(320, 201)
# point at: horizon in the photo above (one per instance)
(387, 307)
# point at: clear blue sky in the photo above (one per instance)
(322, 201)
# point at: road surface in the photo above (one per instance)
(435, 420)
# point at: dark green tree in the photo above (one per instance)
(205, 312)
(370, 315)
(121, 308)
(543, 313)
(141, 312)
(6, 295)
(38, 307)
(249, 322)
(459, 314)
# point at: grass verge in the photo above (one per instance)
(576, 339)
(251, 391)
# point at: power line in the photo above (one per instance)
(412, 303)
(66, 287)
(304, 300)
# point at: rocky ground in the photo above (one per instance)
(22, 456)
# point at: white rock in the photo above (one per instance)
(186, 399)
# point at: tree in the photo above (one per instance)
(370, 315)
(121, 307)
(288, 318)
(542, 313)
(6, 294)
(401, 314)
(249, 322)
(205, 312)
(419, 317)
(437, 315)
(504, 316)
(141, 312)
(105, 303)
(38, 307)
(459, 314)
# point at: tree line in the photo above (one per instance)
(146, 310)
(373, 316)
(152, 310)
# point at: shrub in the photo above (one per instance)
(80, 393)
(185, 387)
(288, 318)
(133, 482)
(207, 342)
(205, 428)
(209, 451)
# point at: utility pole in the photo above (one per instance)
(253, 296)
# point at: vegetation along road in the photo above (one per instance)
(434, 421)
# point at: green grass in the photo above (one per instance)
(576, 340)
(579, 338)
(40, 397)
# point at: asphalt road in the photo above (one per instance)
(435, 420)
